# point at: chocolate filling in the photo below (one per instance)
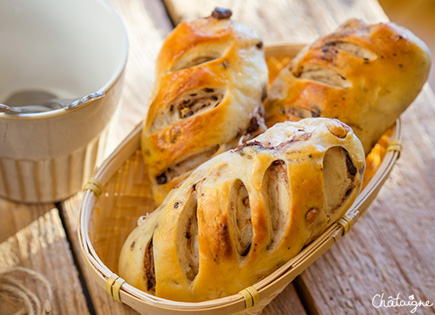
(188, 104)
(149, 267)
(241, 212)
(220, 13)
(181, 168)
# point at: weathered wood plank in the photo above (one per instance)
(15, 216)
(103, 304)
(147, 25)
(33, 237)
(282, 20)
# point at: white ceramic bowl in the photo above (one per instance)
(70, 49)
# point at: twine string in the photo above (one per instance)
(14, 290)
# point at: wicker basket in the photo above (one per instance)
(120, 193)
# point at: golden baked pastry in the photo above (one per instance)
(211, 79)
(244, 213)
(363, 75)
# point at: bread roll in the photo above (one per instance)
(363, 75)
(244, 213)
(211, 79)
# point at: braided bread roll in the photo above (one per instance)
(246, 212)
(363, 75)
(211, 79)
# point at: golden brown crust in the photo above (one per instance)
(363, 75)
(210, 78)
(246, 212)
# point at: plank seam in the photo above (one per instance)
(83, 283)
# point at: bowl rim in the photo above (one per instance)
(117, 74)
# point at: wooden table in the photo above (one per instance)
(391, 249)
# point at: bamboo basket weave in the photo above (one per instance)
(119, 194)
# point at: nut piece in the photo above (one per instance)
(311, 216)
(339, 130)
(220, 13)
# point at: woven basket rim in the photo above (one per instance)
(236, 302)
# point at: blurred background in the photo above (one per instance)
(419, 17)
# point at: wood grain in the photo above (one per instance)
(282, 20)
(147, 25)
(33, 237)
(15, 216)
